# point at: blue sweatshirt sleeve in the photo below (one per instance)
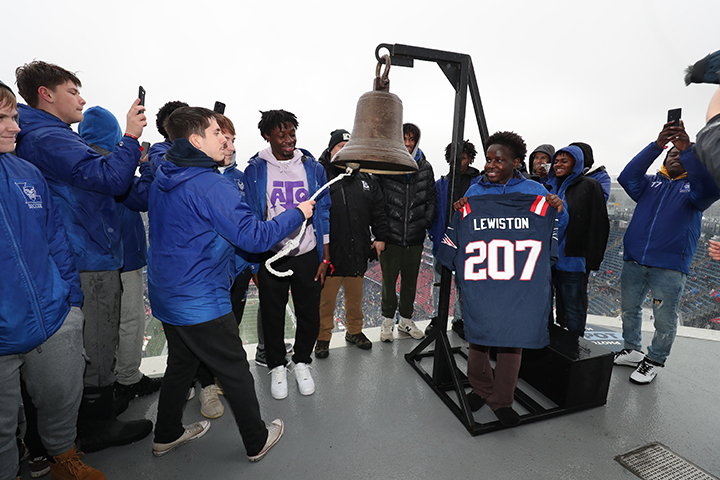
(66, 157)
(136, 198)
(633, 178)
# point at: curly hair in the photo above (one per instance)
(467, 148)
(508, 139)
(275, 118)
(164, 113)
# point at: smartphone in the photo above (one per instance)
(141, 95)
(219, 107)
(674, 116)
(145, 148)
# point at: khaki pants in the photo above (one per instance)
(353, 287)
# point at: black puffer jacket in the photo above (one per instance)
(357, 205)
(410, 203)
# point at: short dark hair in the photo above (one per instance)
(508, 139)
(412, 129)
(31, 76)
(275, 118)
(467, 148)
(186, 121)
(164, 113)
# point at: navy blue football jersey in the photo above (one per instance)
(502, 248)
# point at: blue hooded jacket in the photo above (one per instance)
(83, 184)
(197, 219)
(567, 264)
(665, 226)
(256, 194)
(39, 283)
(101, 128)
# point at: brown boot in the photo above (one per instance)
(68, 466)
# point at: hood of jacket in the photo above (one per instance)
(101, 128)
(193, 162)
(577, 154)
(32, 119)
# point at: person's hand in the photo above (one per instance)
(714, 250)
(321, 273)
(681, 140)
(554, 201)
(307, 208)
(378, 246)
(460, 203)
(136, 119)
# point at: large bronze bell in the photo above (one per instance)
(376, 144)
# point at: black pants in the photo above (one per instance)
(238, 297)
(306, 297)
(218, 345)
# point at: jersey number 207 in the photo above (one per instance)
(491, 252)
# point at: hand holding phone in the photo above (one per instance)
(141, 95)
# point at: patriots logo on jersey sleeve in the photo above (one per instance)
(446, 240)
(539, 206)
(466, 210)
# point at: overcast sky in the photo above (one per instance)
(555, 72)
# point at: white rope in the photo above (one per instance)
(293, 243)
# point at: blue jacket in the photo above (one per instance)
(83, 184)
(665, 226)
(102, 131)
(437, 231)
(256, 194)
(565, 263)
(197, 219)
(157, 152)
(39, 281)
(243, 259)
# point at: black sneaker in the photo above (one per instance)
(459, 327)
(322, 349)
(476, 401)
(145, 386)
(260, 358)
(507, 416)
(431, 326)
(359, 339)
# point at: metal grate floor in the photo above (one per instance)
(655, 461)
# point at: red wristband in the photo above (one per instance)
(329, 264)
(130, 135)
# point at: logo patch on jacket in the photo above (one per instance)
(32, 199)
(365, 186)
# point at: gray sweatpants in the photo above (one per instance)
(132, 328)
(53, 374)
(101, 308)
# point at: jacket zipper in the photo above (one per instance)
(652, 225)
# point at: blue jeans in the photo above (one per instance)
(437, 271)
(667, 286)
(571, 300)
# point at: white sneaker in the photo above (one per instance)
(210, 405)
(278, 382)
(626, 356)
(196, 430)
(305, 382)
(386, 330)
(645, 372)
(408, 327)
(275, 431)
